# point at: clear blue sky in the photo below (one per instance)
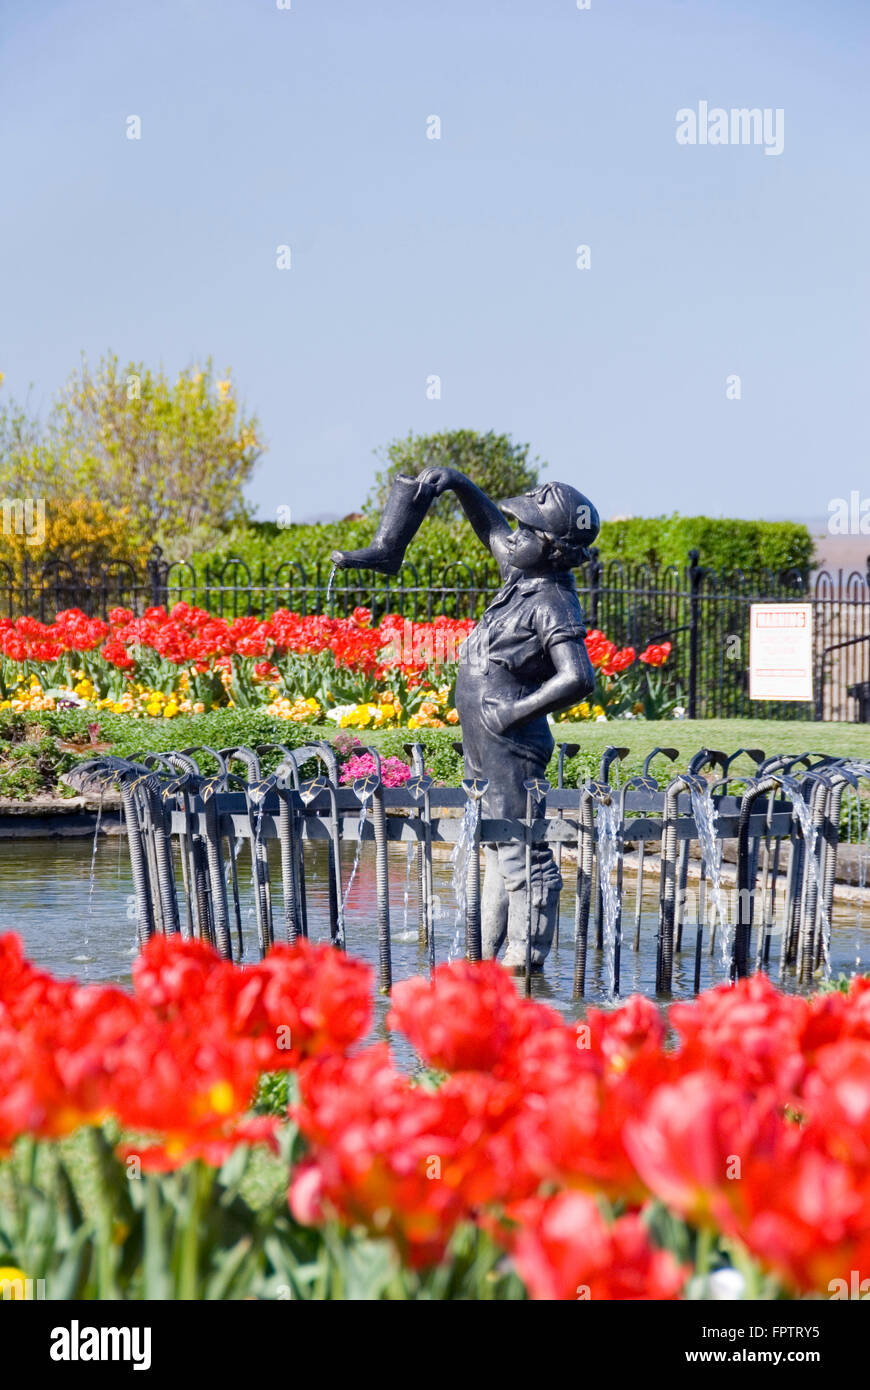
(413, 257)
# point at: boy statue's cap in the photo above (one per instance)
(557, 509)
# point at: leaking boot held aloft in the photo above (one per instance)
(407, 504)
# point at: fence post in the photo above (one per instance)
(819, 674)
(595, 570)
(25, 587)
(695, 576)
(156, 572)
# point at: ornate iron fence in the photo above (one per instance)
(703, 613)
(783, 819)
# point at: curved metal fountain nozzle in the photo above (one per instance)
(707, 757)
(686, 782)
(475, 787)
(640, 784)
(775, 762)
(322, 750)
(608, 758)
(416, 754)
(296, 757)
(419, 786)
(601, 792)
(99, 772)
(287, 771)
(670, 753)
(312, 788)
(837, 775)
(239, 753)
(258, 791)
(364, 788)
(329, 760)
(182, 760)
(186, 782)
(112, 771)
(179, 762)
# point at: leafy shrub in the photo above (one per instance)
(493, 461)
(173, 456)
(83, 532)
(723, 543)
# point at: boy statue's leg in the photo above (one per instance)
(493, 906)
(507, 763)
(546, 886)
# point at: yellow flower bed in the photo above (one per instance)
(154, 704)
(434, 713)
(582, 711)
(298, 711)
(141, 702)
(386, 714)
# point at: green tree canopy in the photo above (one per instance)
(493, 461)
(175, 455)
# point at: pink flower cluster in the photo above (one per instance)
(394, 773)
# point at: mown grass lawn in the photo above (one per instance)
(686, 735)
(727, 735)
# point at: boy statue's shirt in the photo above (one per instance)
(523, 621)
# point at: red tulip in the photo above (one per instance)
(564, 1249)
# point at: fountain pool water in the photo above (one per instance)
(704, 813)
(45, 895)
(363, 813)
(805, 816)
(608, 833)
(460, 859)
(332, 573)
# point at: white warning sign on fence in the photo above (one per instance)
(781, 651)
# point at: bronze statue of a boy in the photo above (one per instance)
(525, 659)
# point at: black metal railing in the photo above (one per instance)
(702, 612)
(176, 812)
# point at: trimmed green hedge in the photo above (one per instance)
(729, 544)
(722, 544)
